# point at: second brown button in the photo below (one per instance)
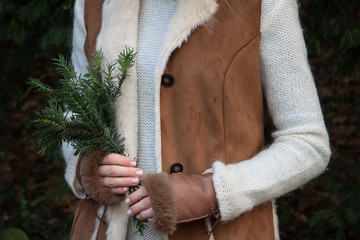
(167, 80)
(176, 168)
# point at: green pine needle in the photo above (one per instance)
(81, 111)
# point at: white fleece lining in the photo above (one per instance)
(208, 226)
(117, 219)
(119, 30)
(100, 213)
(275, 220)
(189, 15)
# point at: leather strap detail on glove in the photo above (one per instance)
(88, 175)
(179, 198)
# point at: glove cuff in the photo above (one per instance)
(90, 180)
(163, 202)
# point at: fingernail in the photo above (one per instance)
(139, 173)
(138, 216)
(128, 200)
(129, 212)
(135, 180)
(133, 163)
(125, 189)
(150, 219)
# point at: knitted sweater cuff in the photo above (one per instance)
(223, 185)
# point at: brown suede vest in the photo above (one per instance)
(214, 108)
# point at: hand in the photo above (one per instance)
(105, 179)
(142, 209)
(119, 173)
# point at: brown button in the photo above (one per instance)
(176, 168)
(167, 80)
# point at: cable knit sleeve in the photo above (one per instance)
(300, 150)
(80, 63)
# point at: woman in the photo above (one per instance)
(193, 105)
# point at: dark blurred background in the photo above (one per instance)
(35, 202)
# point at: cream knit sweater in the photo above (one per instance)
(300, 150)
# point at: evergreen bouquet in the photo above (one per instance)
(81, 111)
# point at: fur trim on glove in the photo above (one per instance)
(90, 180)
(162, 202)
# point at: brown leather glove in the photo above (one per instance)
(179, 198)
(88, 176)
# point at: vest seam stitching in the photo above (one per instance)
(238, 51)
(223, 87)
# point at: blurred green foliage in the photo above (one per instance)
(13, 234)
(34, 200)
(332, 32)
(33, 194)
(31, 30)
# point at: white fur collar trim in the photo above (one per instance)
(119, 30)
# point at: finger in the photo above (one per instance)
(137, 195)
(115, 182)
(146, 214)
(120, 190)
(119, 171)
(139, 207)
(117, 159)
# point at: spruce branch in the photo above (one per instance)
(41, 87)
(81, 111)
(65, 68)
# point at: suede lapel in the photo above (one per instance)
(189, 15)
